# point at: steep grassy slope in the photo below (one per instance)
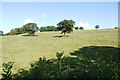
(25, 49)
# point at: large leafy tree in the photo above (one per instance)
(66, 26)
(30, 28)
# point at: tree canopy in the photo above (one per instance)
(1, 33)
(66, 26)
(30, 28)
(13, 32)
(81, 28)
(97, 26)
(76, 28)
(48, 28)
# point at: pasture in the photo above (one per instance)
(24, 50)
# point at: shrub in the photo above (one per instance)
(7, 73)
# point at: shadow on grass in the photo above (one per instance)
(29, 35)
(99, 53)
(61, 36)
(91, 62)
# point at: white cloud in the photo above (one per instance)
(44, 15)
(86, 26)
(29, 20)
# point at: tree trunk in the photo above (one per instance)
(64, 33)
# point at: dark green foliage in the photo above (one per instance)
(91, 62)
(116, 27)
(81, 28)
(19, 30)
(7, 34)
(13, 32)
(76, 28)
(42, 29)
(97, 26)
(66, 26)
(30, 28)
(6, 75)
(48, 28)
(101, 61)
(59, 55)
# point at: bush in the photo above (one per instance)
(13, 32)
(7, 73)
(116, 27)
(92, 62)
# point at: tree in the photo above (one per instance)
(48, 28)
(97, 26)
(7, 34)
(13, 32)
(42, 29)
(51, 28)
(19, 30)
(30, 28)
(66, 26)
(81, 28)
(76, 28)
(116, 27)
(1, 33)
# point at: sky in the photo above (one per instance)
(85, 14)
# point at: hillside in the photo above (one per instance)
(23, 50)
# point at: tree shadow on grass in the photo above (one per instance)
(99, 61)
(29, 35)
(91, 62)
(98, 53)
(61, 36)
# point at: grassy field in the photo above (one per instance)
(24, 50)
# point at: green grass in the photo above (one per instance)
(23, 50)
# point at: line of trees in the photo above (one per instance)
(76, 28)
(29, 28)
(48, 28)
(81, 28)
(66, 26)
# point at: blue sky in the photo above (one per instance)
(86, 14)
